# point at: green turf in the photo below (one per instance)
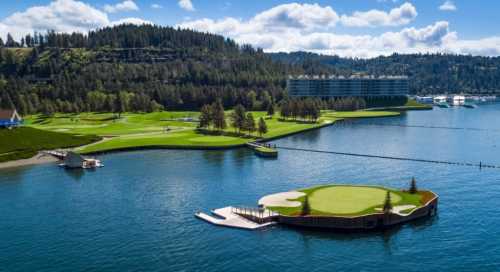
(24, 142)
(410, 105)
(349, 200)
(166, 129)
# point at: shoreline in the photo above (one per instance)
(201, 148)
(35, 160)
(43, 159)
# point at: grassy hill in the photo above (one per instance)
(25, 142)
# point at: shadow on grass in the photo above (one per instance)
(297, 121)
(224, 133)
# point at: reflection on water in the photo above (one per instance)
(76, 173)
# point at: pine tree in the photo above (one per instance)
(205, 117)
(413, 186)
(120, 104)
(218, 115)
(262, 127)
(250, 123)
(238, 117)
(285, 109)
(306, 207)
(270, 110)
(10, 41)
(387, 203)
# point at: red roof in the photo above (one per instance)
(6, 114)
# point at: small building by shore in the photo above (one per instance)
(75, 160)
(9, 118)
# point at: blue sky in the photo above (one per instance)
(356, 28)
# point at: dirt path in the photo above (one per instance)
(38, 159)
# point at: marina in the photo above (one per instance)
(447, 101)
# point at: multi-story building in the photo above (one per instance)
(353, 86)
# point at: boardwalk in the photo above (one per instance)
(231, 219)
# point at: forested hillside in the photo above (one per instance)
(145, 68)
(429, 73)
(135, 68)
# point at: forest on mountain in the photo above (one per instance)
(428, 73)
(136, 68)
(147, 68)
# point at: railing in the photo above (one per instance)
(258, 215)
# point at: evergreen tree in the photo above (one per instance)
(387, 203)
(1, 43)
(10, 41)
(266, 100)
(250, 123)
(219, 117)
(413, 186)
(119, 104)
(270, 110)
(238, 117)
(262, 127)
(285, 109)
(306, 207)
(6, 101)
(205, 117)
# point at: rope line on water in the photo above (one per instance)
(424, 126)
(480, 164)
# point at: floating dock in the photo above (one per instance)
(263, 150)
(233, 220)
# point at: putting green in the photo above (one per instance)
(348, 199)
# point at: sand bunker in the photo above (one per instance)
(281, 199)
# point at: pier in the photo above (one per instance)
(242, 218)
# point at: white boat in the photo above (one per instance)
(424, 99)
(458, 100)
(440, 99)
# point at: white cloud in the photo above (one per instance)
(60, 16)
(156, 6)
(186, 5)
(303, 16)
(131, 20)
(127, 5)
(448, 6)
(280, 18)
(304, 27)
(397, 16)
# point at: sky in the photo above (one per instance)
(349, 28)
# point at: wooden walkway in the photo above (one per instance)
(231, 219)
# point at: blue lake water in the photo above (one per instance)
(136, 214)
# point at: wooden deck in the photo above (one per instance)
(231, 219)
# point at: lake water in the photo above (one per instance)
(137, 213)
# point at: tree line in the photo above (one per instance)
(213, 116)
(306, 109)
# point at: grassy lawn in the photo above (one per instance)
(348, 200)
(25, 142)
(410, 105)
(170, 129)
